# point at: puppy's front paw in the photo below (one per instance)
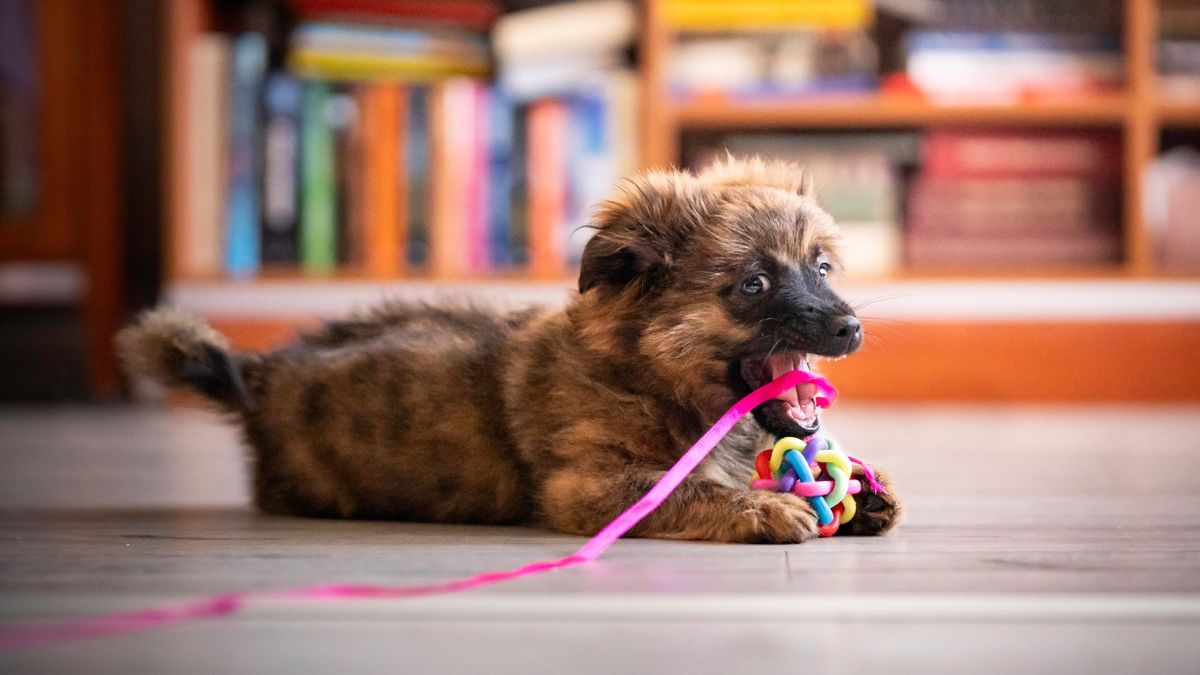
(772, 518)
(877, 513)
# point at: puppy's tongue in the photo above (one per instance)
(801, 403)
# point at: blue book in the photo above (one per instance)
(1010, 41)
(281, 170)
(416, 144)
(500, 190)
(518, 219)
(242, 217)
(592, 167)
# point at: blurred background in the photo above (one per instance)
(1017, 179)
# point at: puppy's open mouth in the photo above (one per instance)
(792, 413)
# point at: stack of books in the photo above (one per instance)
(566, 69)
(1179, 49)
(377, 149)
(1013, 199)
(968, 51)
(1172, 183)
(771, 48)
(857, 178)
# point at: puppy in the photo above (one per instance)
(694, 290)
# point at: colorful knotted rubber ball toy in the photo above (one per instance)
(817, 470)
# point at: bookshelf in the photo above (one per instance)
(1136, 113)
(260, 312)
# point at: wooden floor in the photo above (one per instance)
(1049, 539)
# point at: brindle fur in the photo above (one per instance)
(555, 418)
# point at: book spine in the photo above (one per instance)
(478, 242)
(470, 14)
(964, 154)
(547, 188)
(518, 237)
(592, 168)
(417, 163)
(281, 165)
(500, 157)
(242, 217)
(451, 155)
(343, 114)
(318, 212)
(382, 179)
(199, 244)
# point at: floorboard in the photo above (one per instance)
(1038, 539)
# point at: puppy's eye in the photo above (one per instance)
(824, 269)
(759, 283)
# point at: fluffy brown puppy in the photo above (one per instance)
(694, 290)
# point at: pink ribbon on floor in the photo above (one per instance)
(117, 623)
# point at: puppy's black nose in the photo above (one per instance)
(846, 330)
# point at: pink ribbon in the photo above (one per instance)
(34, 635)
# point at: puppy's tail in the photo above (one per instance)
(179, 349)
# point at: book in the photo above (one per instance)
(975, 67)
(199, 244)
(361, 66)
(475, 14)
(1020, 153)
(417, 167)
(476, 179)
(384, 107)
(1045, 250)
(771, 65)
(547, 33)
(281, 165)
(499, 140)
(1171, 184)
(992, 207)
(546, 187)
(242, 245)
(767, 14)
(343, 114)
(519, 202)
(452, 156)
(318, 212)
(591, 166)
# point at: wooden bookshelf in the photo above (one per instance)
(1135, 113)
(871, 111)
(1133, 315)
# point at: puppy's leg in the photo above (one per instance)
(877, 513)
(581, 502)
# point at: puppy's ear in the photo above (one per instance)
(653, 215)
(618, 265)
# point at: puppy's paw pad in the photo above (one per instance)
(877, 513)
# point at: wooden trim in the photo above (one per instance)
(658, 132)
(1044, 362)
(884, 110)
(1141, 130)
(1024, 362)
(101, 204)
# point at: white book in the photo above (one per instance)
(199, 241)
(567, 28)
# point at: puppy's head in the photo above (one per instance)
(717, 283)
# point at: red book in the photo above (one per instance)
(547, 188)
(929, 250)
(384, 107)
(478, 15)
(1013, 206)
(951, 154)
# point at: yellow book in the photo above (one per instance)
(343, 66)
(767, 14)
